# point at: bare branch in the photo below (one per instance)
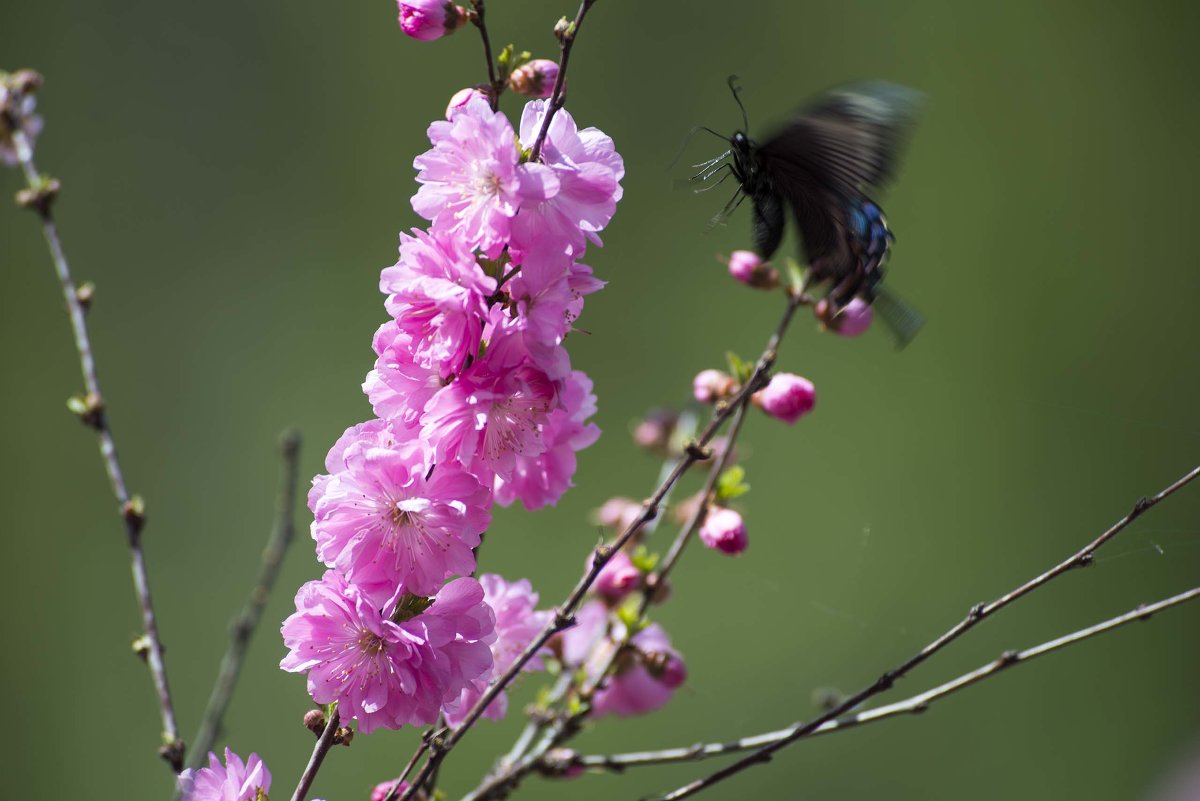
(324, 743)
(978, 613)
(241, 629)
(558, 97)
(91, 409)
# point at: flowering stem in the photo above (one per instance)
(692, 453)
(242, 627)
(324, 743)
(910, 706)
(412, 763)
(497, 87)
(94, 415)
(558, 96)
(977, 614)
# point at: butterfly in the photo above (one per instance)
(822, 168)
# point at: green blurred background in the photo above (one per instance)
(235, 177)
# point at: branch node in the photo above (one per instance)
(172, 752)
(85, 293)
(697, 451)
(89, 408)
(1086, 560)
(976, 612)
(141, 647)
(1143, 503)
(1007, 658)
(134, 513)
(563, 620)
(40, 197)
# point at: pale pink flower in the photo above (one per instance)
(535, 78)
(710, 386)
(437, 293)
(547, 312)
(551, 232)
(518, 623)
(618, 577)
(427, 20)
(234, 781)
(581, 640)
(724, 531)
(645, 683)
(460, 99)
(382, 667)
(851, 320)
(385, 520)
(618, 513)
(787, 397)
(471, 181)
(540, 479)
(493, 413)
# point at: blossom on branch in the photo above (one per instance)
(234, 781)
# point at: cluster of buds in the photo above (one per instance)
(17, 102)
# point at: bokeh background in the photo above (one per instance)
(235, 177)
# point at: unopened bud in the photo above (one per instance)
(462, 97)
(535, 79)
(853, 319)
(654, 432)
(787, 397)
(314, 721)
(710, 386)
(427, 20)
(724, 531)
(749, 268)
(85, 293)
(563, 28)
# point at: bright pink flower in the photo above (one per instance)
(383, 668)
(493, 413)
(580, 641)
(551, 233)
(787, 397)
(535, 78)
(471, 180)
(710, 386)
(646, 683)
(618, 577)
(427, 20)
(724, 531)
(748, 267)
(540, 479)
(398, 387)
(438, 294)
(547, 311)
(235, 781)
(518, 622)
(383, 789)
(385, 520)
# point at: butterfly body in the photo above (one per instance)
(821, 169)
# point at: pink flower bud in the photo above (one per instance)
(674, 671)
(724, 531)
(654, 432)
(618, 513)
(749, 268)
(427, 20)
(854, 318)
(534, 79)
(710, 386)
(787, 397)
(381, 790)
(618, 578)
(461, 98)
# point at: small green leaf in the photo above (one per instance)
(795, 274)
(505, 62)
(409, 606)
(643, 559)
(742, 370)
(732, 483)
(77, 405)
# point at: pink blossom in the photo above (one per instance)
(710, 386)
(724, 531)
(427, 20)
(581, 640)
(546, 311)
(463, 96)
(535, 78)
(853, 319)
(618, 513)
(471, 181)
(645, 683)
(493, 413)
(438, 294)
(385, 520)
(398, 387)
(387, 667)
(787, 397)
(384, 789)
(619, 577)
(748, 267)
(235, 781)
(540, 479)
(518, 623)
(551, 232)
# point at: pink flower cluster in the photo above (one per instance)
(234, 781)
(476, 404)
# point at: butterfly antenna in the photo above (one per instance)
(688, 138)
(737, 97)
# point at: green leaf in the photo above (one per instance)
(643, 559)
(795, 274)
(742, 370)
(732, 483)
(505, 62)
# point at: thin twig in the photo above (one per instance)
(915, 705)
(558, 97)
(412, 763)
(497, 86)
(242, 627)
(978, 613)
(563, 615)
(94, 414)
(324, 743)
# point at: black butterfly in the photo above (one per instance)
(821, 167)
